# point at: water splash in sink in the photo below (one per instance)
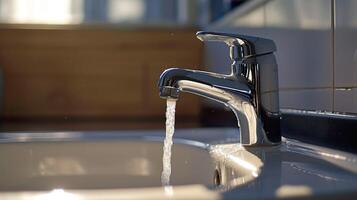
(170, 129)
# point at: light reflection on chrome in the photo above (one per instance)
(251, 129)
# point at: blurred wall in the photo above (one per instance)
(78, 72)
(345, 54)
(317, 49)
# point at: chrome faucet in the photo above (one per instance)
(251, 90)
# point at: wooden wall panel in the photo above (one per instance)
(92, 72)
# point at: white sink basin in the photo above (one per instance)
(99, 164)
(206, 164)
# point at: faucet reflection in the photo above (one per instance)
(251, 90)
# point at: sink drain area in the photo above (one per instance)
(217, 178)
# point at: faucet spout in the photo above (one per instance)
(170, 78)
(251, 90)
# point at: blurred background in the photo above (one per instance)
(94, 64)
(152, 12)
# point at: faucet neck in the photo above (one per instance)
(261, 73)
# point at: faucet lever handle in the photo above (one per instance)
(247, 45)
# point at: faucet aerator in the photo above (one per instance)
(168, 92)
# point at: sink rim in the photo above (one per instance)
(83, 136)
